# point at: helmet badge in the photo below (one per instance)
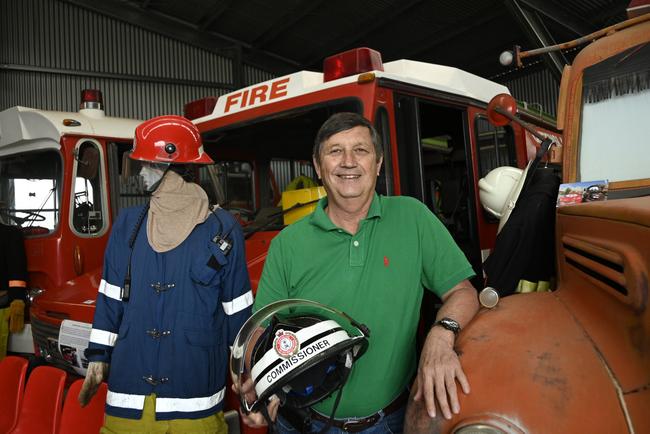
(286, 343)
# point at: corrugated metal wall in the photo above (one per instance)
(537, 88)
(50, 50)
(285, 171)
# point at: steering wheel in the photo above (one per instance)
(29, 215)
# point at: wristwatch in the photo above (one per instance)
(448, 324)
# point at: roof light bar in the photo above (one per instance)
(91, 99)
(351, 62)
(200, 107)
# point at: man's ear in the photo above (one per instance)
(381, 160)
(316, 167)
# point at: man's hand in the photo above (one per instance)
(256, 419)
(438, 371)
(95, 374)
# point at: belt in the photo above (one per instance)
(356, 425)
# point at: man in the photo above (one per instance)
(370, 257)
(174, 293)
(13, 282)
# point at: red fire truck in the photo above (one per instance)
(432, 118)
(56, 174)
(64, 176)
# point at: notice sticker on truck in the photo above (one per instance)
(73, 340)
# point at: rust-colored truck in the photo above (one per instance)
(577, 359)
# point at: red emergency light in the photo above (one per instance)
(200, 107)
(351, 62)
(91, 99)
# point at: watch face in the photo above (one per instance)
(450, 324)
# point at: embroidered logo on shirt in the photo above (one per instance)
(286, 343)
(386, 261)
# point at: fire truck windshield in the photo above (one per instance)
(615, 113)
(30, 191)
(257, 161)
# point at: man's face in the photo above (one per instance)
(348, 166)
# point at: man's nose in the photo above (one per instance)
(349, 159)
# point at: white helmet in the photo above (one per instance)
(495, 188)
(500, 189)
(298, 350)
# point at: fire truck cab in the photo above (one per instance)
(60, 184)
(432, 119)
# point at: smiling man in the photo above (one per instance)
(371, 257)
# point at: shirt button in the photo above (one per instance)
(356, 243)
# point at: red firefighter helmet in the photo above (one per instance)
(169, 139)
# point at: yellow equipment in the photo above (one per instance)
(298, 203)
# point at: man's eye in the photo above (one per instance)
(335, 151)
(361, 151)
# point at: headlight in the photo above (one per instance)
(486, 423)
(478, 428)
(33, 293)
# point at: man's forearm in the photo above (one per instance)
(460, 305)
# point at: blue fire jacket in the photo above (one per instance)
(185, 308)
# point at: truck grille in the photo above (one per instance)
(46, 338)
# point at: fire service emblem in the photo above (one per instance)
(286, 343)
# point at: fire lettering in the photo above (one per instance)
(258, 94)
(279, 88)
(232, 99)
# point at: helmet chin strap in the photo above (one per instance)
(346, 374)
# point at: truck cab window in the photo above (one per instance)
(616, 92)
(126, 186)
(88, 201)
(256, 162)
(495, 145)
(385, 179)
(30, 191)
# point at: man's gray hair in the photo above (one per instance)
(342, 122)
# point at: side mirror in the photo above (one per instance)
(502, 109)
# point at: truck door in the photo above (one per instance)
(435, 167)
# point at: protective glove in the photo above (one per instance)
(95, 374)
(16, 316)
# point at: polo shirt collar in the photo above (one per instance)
(319, 217)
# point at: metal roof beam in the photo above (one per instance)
(538, 36)
(428, 43)
(556, 13)
(189, 33)
(213, 14)
(295, 14)
(370, 25)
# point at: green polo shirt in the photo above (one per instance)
(377, 277)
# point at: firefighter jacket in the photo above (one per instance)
(185, 307)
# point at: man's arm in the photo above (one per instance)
(273, 286)
(440, 366)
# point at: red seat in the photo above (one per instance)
(12, 383)
(86, 420)
(41, 409)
